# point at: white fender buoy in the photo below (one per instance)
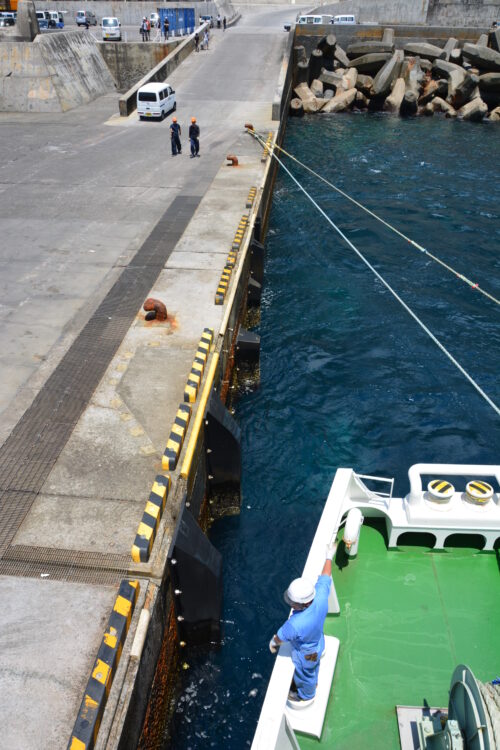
(352, 530)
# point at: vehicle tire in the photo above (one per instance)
(175, 107)
(162, 116)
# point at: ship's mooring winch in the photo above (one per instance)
(473, 720)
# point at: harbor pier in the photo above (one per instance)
(97, 217)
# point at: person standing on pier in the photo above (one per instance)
(304, 630)
(144, 29)
(175, 137)
(224, 23)
(166, 27)
(194, 138)
(197, 42)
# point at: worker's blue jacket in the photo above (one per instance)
(304, 630)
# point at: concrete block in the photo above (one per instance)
(357, 49)
(494, 39)
(370, 64)
(423, 49)
(482, 57)
(489, 82)
(341, 102)
(393, 102)
(383, 80)
(474, 110)
(443, 68)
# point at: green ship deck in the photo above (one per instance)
(408, 618)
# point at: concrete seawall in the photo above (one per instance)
(55, 73)
(432, 12)
(129, 62)
(309, 37)
(128, 102)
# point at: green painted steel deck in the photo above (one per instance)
(408, 618)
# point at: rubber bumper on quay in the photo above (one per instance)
(96, 693)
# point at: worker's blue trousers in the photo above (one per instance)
(306, 674)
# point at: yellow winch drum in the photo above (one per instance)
(478, 493)
(440, 491)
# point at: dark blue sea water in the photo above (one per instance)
(347, 377)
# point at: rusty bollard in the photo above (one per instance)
(249, 126)
(233, 159)
(155, 309)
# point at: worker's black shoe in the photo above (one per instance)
(296, 702)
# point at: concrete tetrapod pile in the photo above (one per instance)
(419, 79)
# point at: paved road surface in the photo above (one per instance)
(80, 192)
(80, 195)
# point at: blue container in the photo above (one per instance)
(181, 20)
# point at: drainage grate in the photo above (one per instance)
(64, 564)
(33, 447)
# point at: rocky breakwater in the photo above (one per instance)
(420, 79)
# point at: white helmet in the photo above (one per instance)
(300, 591)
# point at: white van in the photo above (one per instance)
(86, 18)
(155, 100)
(111, 28)
(55, 19)
(313, 20)
(344, 19)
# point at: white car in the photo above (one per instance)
(155, 100)
(153, 20)
(86, 18)
(111, 28)
(344, 19)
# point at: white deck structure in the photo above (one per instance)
(415, 513)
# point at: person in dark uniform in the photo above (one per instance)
(166, 27)
(175, 137)
(194, 138)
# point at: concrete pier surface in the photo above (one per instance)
(94, 214)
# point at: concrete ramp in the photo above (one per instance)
(54, 73)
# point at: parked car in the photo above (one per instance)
(55, 19)
(86, 18)
(5, 22)
(153, 20)
(344, 19)
(315, 20)
(111, 28)
(43, 24)
(155, 100)
(203, 19)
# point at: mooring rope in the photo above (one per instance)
(387, 285)
(472, 284)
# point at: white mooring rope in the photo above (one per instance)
(388, 286)
(461, 276)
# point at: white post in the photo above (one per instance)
(333, 601)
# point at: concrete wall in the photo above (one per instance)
(54, 73)
(309, 36)
(381, 11)
(430, 12)
(128, 102)
(130, 62)
(129, 13)
(463, 12)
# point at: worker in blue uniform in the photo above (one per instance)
(304, 630)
